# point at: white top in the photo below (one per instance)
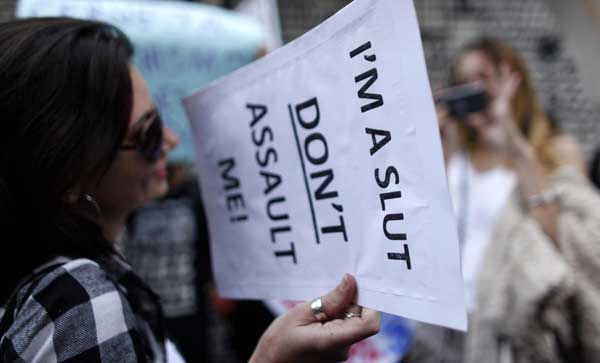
(173, 355)
(478, 199)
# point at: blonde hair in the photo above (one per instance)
(526, 108)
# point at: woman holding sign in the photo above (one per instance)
(528, 219)
(82, 146)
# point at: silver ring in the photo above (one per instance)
(352, 315)
(316, 306)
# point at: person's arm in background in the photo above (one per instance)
(531, 177)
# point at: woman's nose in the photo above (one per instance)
(171, 140)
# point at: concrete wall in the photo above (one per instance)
(7, 9)
(580, 25)
(299, 16)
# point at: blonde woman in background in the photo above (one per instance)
(528, 223)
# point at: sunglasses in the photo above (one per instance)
(148, 139)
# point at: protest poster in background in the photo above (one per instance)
(390, 345)
(324, 157)
(266, 12)
(178, 47)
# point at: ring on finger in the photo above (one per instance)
(316, 306)
(349, 315)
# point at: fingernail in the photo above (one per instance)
(345, 282)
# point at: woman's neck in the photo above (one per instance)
(112, 225)
(485, 158)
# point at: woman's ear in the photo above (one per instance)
(73, 195)
(83, 203)
(89, 206)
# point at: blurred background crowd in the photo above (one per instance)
(559, 41)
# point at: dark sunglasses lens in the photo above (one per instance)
(151, 145)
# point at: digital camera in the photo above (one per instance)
(463, 100)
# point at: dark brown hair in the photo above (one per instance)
(65, 102)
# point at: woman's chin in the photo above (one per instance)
(160, 187)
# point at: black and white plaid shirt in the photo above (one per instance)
(82, 311)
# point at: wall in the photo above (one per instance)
(299, 16)
(7, 9)
(580, 25)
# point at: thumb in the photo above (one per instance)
(339, 299)
(334, 303)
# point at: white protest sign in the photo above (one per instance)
(323, 158)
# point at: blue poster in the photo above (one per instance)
(179, 47)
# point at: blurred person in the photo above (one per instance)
(595, 168)
(81, 147)
(528, 223)
(166, 243)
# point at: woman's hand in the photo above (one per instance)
(300, 336)
(500, 130)
(505, 133)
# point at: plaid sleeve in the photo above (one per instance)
(75, 314)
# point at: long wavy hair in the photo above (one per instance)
(65, 102)
(526, 108)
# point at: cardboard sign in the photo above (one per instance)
(178, 47)
(324, 158)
